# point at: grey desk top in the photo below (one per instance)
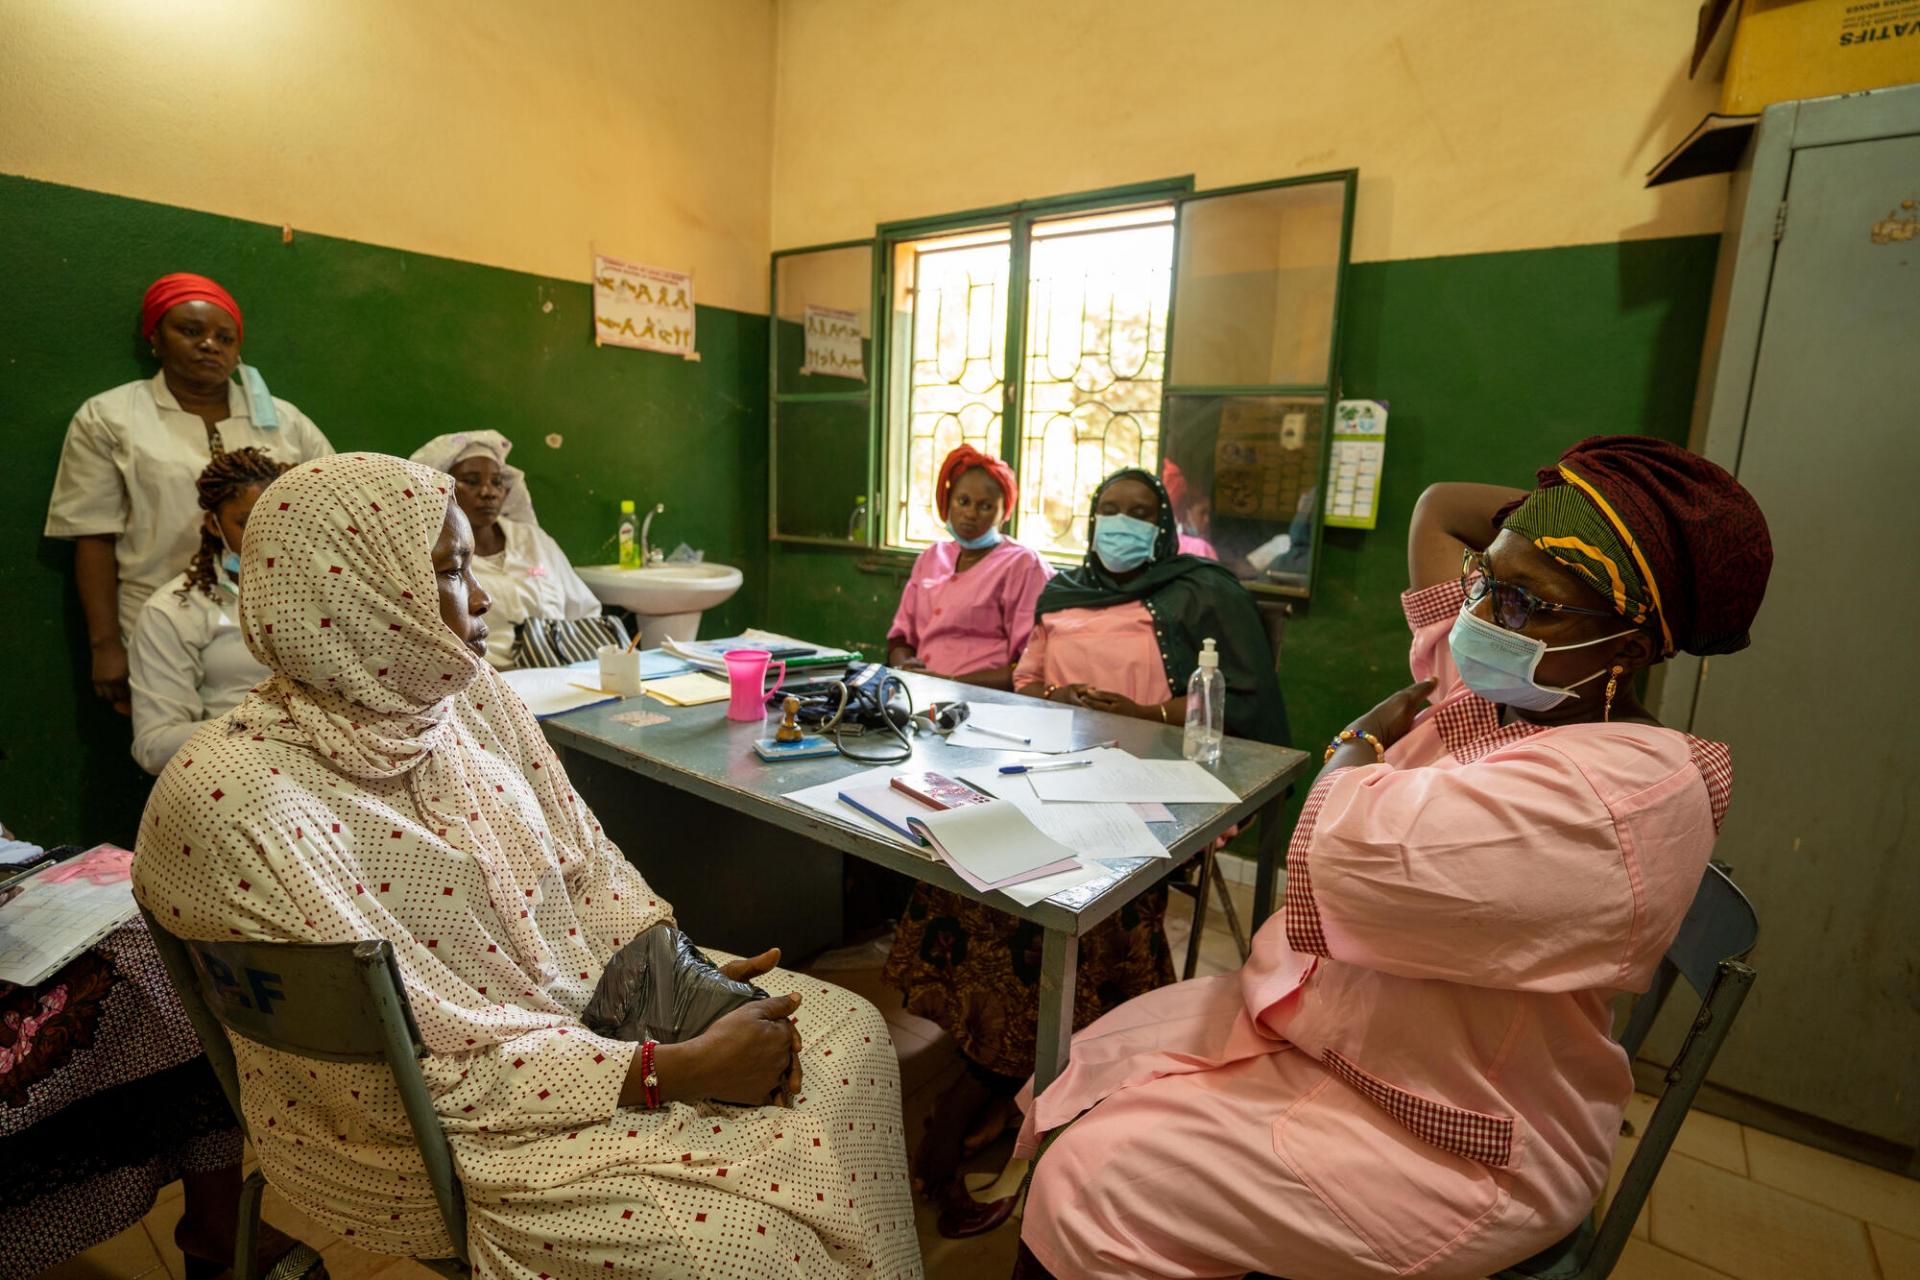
(700, 751)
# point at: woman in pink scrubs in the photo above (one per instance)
(1412, 1075)
(1132, 618)
(968, 606)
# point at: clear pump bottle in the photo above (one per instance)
(1206, 709)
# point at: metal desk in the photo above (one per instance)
(699, 751)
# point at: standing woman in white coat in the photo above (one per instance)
(125, 490)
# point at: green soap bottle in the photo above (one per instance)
(629, 545)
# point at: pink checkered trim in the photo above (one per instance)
(1302, 916)
(1715, 763)
(1469, 728)
(1438, 603)
(1472, 1134)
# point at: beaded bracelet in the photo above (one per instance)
(1345, 736)
(649, 1080)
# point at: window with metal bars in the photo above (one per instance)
(1192, 334)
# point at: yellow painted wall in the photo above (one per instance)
(1477, 125)
(502, 133)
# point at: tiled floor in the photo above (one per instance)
(1732, 1203)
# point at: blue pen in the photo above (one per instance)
(1045, 768)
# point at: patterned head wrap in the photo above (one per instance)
(965, 459)
(170, 291)
(444, 453)
(1671, 539)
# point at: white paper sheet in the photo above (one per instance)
(1047, 729)
(1032, 891)
(833, 344)
(62, 910)
(549, 691)
(824, 797)
(1117, 777)
(994, 844)
(1016, 787)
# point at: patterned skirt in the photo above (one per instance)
(976, 971)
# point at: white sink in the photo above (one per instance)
(668, 599)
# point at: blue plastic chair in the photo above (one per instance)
(333, 1002)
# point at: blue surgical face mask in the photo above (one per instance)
(991, 538)
(1498, 664)
(1123, 543)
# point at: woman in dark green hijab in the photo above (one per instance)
(1122, 632)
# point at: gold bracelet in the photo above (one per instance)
(1346, 736)
(1163, 714)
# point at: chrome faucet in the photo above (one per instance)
(648, 555)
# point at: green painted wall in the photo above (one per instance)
(381, 348)
(1493, 363)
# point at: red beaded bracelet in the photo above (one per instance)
(649, 1081)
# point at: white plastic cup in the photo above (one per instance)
(620, 670)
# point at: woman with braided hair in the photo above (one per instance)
(189, 661)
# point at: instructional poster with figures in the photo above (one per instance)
(1353, 472)
(833, 344)
(640, 306)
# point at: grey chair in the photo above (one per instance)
(1719, 932)
(333, 1002)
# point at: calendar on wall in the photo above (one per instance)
(1353, 470)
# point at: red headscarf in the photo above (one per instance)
(1174, 480)
(170, 291)
(965, 459)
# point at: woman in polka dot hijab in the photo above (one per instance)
(385, 783)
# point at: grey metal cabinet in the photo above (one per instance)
(1810, 393)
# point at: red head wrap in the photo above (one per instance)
(1174, 480)
(170, 291)
(965, 459)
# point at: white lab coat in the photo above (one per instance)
(129, 467)
(188, 662)
(530, 578)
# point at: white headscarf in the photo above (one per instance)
(343, 606)
(443, 453)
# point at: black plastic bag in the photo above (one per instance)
(659, 987)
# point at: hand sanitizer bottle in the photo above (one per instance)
(629, 546)
(1206, 709)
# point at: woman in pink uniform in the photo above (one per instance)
(968, 606)
(1412, 1075)
(1132, 618)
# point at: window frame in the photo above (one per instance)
(776, 397)
(1018, 217)
(1327, 391)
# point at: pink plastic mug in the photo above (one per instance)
(747, 675)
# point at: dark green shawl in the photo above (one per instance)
(1191, 599)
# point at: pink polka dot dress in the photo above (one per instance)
(386, 784)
